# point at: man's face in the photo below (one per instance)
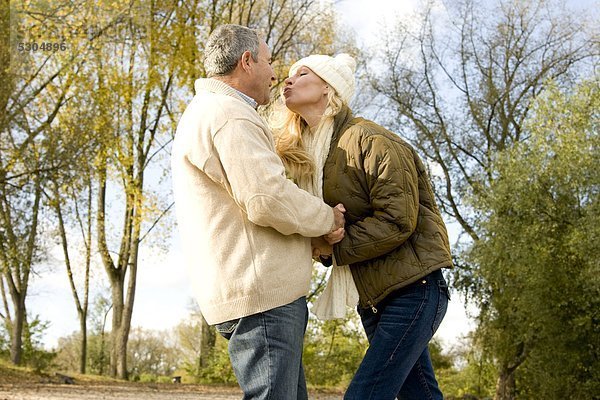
(263, 75)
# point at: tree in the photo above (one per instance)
(333, 350)
(84, 218)
(70, 194)
(69, 347)
(461, 89)
(99, 357)
(133, 74)
(25, 155)
(196, 339)
(152, 354)
(540, 230)
(44, 54)
(468, 370)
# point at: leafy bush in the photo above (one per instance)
(218, 368)
(333, 351)
(34, 354)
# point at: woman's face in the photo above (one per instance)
(305, 91)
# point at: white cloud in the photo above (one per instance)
(370, 19)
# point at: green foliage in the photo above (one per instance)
(4, 340)
(333, 350)
(218, 367)
(439, 359)
(34, 354)
(151, 354)
(471, 375)
(98, 357)
(536, 261)
(203, 353)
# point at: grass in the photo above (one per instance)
(11, 374)
(14, 375)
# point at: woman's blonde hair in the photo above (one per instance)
(289, 129)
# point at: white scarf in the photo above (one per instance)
(340, 291)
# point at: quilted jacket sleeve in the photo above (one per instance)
(392, 183)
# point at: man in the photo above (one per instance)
(241, 220)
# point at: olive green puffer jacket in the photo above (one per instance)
(395, 234)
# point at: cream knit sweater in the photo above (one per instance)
(243, 225)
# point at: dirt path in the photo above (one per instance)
(126, 392)
(111, 392)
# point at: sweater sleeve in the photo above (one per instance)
(257, 181)
(392, 181)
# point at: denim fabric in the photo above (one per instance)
(265, 350)
(397, 363)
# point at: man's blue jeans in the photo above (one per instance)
(397, 363)
(265, 350)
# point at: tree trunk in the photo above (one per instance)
(86, 288)
(117, 313)
(81, 308)
(123, 335)
(120, 333)
(16, 346)
(103, 342)
(506, 385)
(122, 338)
(207, 343)
(17, 269)
(83, 350)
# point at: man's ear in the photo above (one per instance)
(246, 60)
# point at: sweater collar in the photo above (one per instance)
(217, 86)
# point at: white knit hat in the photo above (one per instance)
(337, 71)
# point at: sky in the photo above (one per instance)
(163, 291)
(368, 18)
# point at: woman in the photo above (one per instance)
(395, 240)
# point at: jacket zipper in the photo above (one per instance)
(373, 309)
(369, 300)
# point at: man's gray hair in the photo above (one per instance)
(225, 47)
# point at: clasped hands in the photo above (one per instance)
(323, 246)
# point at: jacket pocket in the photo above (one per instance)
(412, 249)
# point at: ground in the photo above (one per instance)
(21, 384)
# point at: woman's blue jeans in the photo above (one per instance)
(265, 350)
(397, 363)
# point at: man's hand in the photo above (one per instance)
(320, 247)
(338, 217)
(335, 236)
